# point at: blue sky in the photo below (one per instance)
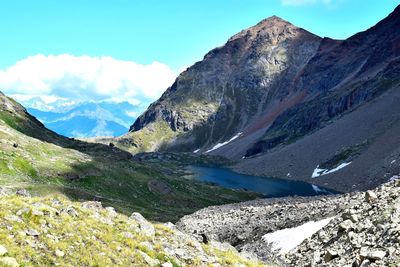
(172, 33)
(175, 32)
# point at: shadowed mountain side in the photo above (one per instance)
(368, 137)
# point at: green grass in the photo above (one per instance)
(87, 237)
(347, 154)
(45, 163)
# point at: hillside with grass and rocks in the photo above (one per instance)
(43, 162)
(54, 231)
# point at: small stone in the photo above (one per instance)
(370, 196)
(32, 232)
(92, 205)
(372, 254)
(365, 263)
(23, 193)
(167, 264)
(111, 212)
(128, 235)
(317, 256)
(3, 250)
(8, 262)
(346, 225)
(60, 253)
(330, 255)
(71, 211)
(149, 260)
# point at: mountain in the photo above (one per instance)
(284, 102)
(86, 119)
(43, 162)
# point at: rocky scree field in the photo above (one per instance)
(359, 229)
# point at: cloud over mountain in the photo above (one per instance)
(85, 78)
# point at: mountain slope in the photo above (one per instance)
(270, 86)
(232, 87)
(53, 231)
(41, 161)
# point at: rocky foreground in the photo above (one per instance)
(53, 231)
(363, 228)
(356, 229)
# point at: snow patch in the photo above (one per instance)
(224, 143)
(393, 178)
(287, 239)
(197, 150)
(320, 172)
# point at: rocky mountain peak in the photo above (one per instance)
(274, 20)
(269, 28)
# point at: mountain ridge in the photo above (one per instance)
(271, 85)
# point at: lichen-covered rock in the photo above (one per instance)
(145, 227)
(8, 262)
(3, 250)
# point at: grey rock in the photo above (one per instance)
(330, 254)
(370, 196)
(8, 262)
(93, 205)
(32, 232)
(23, 193)
(3, 250)
(346, 225)
(145, 227)
(372, 254)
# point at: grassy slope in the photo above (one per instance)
(45, 163)
(71, 234)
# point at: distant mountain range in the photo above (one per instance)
(86, 119)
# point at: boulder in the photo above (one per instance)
(145, 227)
(8, 262)
(372, 254)
(3, 250)
(370, 196)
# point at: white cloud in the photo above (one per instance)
(304, 2)
(85, 78)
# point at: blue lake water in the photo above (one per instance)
(270, 187)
